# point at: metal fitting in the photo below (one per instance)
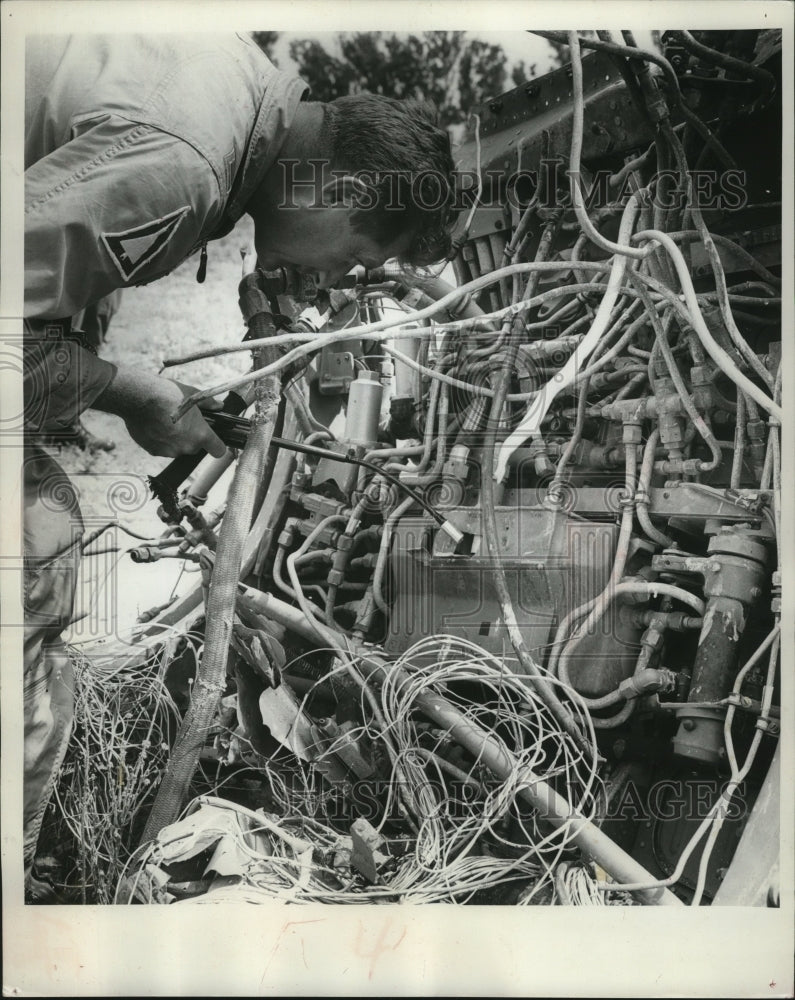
(335, 577)
(733, 573)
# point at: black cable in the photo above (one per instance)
(625, 51)
(671, 79)
(308, 449)
(749, 70)
(88, 539)
(633, 86)
(234, 429)
(84, 541)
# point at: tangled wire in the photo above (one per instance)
(119, 746)
(471, 834)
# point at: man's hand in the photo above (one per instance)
(146, 403)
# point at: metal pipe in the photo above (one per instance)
(642, 494)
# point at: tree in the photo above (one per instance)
(522, 72)
(482, 73)
(445, 67)
(328, 76)
(266, 41)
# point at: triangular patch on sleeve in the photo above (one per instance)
(134, 248)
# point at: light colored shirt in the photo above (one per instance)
(138, 149)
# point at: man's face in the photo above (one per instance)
(319, 241)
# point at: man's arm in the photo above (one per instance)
(146, 402)
(61, 379)
(116, 205)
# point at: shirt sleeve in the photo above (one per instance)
(120, 204)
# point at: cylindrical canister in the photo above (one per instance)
(364, 409)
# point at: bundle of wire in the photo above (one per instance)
(465, 844)
(495, 840)
(117, 751)
(631, 326)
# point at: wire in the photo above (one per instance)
(445, 860)
(738, 774)
(567, 374)
(717, 813)
(470, 831)
(670, 78)
(717, 268)
(715, 351)
(313, 450)
(739, 444)
(689, 235)
(116, 752)
(574, 173)
(478, 169)
(727, 62)
(369, 330)
(630, 52)
(661, 333)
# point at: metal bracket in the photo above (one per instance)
(335, 372)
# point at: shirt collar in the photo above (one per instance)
(283, 93)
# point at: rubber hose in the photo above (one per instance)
(220, 604)
(642, 495)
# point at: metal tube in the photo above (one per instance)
(552, 807)
(207, 475)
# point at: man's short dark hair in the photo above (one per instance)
(404, 158)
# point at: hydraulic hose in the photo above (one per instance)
(642, 493)
(622, 247)
(569, 372)
(414, 477)
(734, 65)
(717, 268)
(383, 553)
(660, 332)
(487, 494)
(596, 608)
(211, 671)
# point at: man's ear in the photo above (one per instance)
(344, 190)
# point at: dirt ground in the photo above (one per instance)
(165, 319)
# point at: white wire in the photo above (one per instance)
(568, 373)
(711, 346)
(445, 863)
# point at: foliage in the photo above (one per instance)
(561, 55)
(266, 41)
(448, 68)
